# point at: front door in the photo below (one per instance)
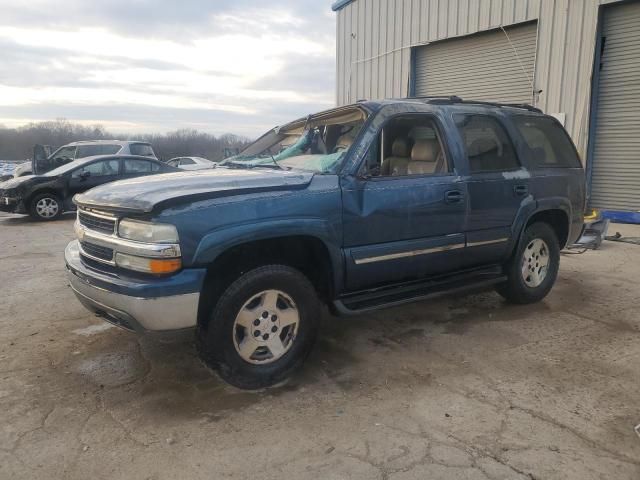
(404, 213)
(93, 174)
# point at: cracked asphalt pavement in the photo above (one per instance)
(463, 387)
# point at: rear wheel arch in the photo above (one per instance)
(306, 253)
(557, 219)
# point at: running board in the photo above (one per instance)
(399, 294)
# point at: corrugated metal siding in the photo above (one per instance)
(483, 66)
(616, 162)
(566, 40)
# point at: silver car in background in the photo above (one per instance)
(73, 151)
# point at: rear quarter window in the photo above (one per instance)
(548, 143)
(142, 149)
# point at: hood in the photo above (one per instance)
(16, 182)
(143, 194)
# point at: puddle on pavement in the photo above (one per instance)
(114, 369)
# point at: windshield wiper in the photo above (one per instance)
(275, 162)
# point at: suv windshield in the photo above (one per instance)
(317, 143)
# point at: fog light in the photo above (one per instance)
(148, 265)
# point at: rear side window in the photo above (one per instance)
(549, 145)
(91, 150)
(137, 166)
(88, 151)
(109, 149)
(143, 149)
(488, 146)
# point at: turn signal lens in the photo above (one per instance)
(168, 265)
(157, 266)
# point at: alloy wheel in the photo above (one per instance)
(266, 326)
(535, 262)
(47, 207)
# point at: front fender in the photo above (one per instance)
(218, 241)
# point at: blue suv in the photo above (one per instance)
(360, 207)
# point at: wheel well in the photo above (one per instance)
(556, 219)
(40, 192)
(305, 253)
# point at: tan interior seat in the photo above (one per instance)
(397, 163)
(343, 143)
(425, 157)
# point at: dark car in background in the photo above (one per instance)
(47, 196)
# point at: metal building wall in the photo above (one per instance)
(374, 39)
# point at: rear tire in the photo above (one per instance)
(45, 207)
(533, 268)
(262, 327)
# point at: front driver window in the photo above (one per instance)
(65, 154)
(408, 145)
(98, 169)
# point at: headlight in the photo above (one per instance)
(147, 231)
(156, 266)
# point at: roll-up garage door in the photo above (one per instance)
(489, 66)
(615, 176)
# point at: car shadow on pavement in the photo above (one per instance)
(158, 376)
(20, 220)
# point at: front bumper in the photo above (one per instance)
(159, 304)
(11, 205)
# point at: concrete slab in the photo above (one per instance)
(464, 387)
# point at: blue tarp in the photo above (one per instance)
(621, 217)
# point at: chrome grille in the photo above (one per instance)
(96, 251)
(98, 223)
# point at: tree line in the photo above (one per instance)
(18, 143)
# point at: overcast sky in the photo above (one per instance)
(237, 66)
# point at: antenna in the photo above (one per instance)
(515, 51)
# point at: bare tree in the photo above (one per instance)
(17, 143)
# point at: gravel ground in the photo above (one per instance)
(465, 387)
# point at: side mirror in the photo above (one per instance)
(85, 175)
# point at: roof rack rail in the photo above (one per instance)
(455, 99)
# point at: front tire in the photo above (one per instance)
(262, 327)
(45, 207)
(533, 268)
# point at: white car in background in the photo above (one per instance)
(191, 163)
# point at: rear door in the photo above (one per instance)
(497, 187)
